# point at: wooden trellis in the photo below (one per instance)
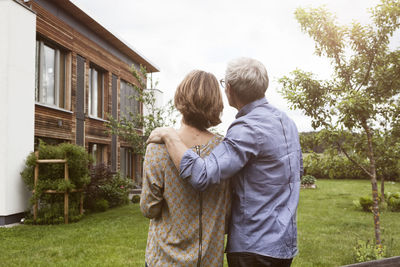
(66, 193)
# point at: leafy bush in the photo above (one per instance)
(106, 186)
(366, 251)
(331, 166)
(308, 180)
(365, 203)
(51, 177)
(101, 205)
(393, 201)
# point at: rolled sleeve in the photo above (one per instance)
(223, 162)
(187, 163)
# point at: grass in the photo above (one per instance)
(329, 227)
(113, 238)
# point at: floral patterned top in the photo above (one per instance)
(174, 208)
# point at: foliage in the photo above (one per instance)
(330, 166)
(366, 251)
(135, 128)
(51, 177)
(393, 200)
(116, 191)
(117, 237)
(309, 143)
(101, 205)
(308, 180)
(363, 94)
(135, 199)
(365, 203)
(106, 189)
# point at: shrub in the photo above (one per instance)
(365, 203)
(101, 205)
(366, 251)
(393, 201)
(51, 176)
(107, 186)
(135, 199)
(331, 166)
(308, 180)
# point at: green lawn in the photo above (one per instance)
(328, 229)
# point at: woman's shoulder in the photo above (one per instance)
(217, 139)
(156, 150)
(214, 141)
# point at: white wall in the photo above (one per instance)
(159, 99)
(17, 102)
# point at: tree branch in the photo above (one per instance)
(352, 160)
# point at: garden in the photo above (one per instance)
(330, 227)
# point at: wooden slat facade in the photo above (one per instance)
(57, 123)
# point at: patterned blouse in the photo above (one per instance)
(174, 208)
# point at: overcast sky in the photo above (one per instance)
(181, 35)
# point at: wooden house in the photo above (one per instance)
(81, 74)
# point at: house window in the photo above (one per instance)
(98, 152)
(129, 104)
(126, 162)
(96, 92)
(138, 169)
(50, 88)
(130, 165)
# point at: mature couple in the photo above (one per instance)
(198, 186)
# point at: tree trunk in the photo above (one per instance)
(375, 206)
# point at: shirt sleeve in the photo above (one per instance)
(301, 164)
(151, 197)
(240, 145)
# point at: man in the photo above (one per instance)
(261, 152)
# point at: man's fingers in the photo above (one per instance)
(155, 137)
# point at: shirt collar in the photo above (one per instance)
(250, 106)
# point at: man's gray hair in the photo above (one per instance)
(248, 79)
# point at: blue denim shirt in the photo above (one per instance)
(261, 153)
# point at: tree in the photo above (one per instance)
(362, 95)
(136, 127)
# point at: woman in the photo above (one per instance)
(187, 227)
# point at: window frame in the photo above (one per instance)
(101, 153)
(94, 98)
(125, 97)
(61, 83)
(130, 165)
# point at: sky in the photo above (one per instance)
(179, 36)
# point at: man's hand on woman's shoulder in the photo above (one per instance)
(158, 134)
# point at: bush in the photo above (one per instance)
(135, 199)
(366, 251)
(101, 205)
(308, 180)
(107, 186)
(331, 166)
(393, 201)
(365, 203)
(51, 177)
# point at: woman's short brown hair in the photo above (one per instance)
(199, 99)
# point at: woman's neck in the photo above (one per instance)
(192, 136)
